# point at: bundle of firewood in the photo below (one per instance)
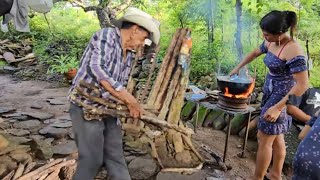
(16, 53)
(53, 170)
(160, 125)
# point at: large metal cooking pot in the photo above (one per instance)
(235, 86)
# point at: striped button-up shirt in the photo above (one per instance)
(103, 60)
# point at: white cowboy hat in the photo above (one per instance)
(142, 19)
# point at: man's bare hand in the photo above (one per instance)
(135, 110)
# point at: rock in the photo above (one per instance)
(36, 137)
(65, 124)
(32, 92)
(3, 170)
(141, 168)
(20, 156)
(129, 158)
(8, 162)
(1, 120)
(53, 132)
(3, 142)
(17, 140)
(218, 174)
(27, 124)
(17, 116)
(198, 120)
(39, 115)
(213, 115)
(66, 148)
(5, 125)
(42, 149)
(36, 106)
(65, 117)
(56, 102)
(6, 110)
(201, 175)
(9, 69)
(18, 132)
(49, 121)
(71, 134)
(188, 110)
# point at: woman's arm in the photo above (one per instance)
(302, 83)
(250, 57)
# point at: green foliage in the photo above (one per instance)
(62, 64)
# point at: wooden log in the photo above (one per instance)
(29, 167)
(162, 71)
(187, 141)
(167, 78)
(183, 170)
(165, 107)
(177, 142)
(153, 65)
(131, 82)
(40, 169)
(67, 172)
(152, 120)
(19, 171)
(177, 102)
(54, 175)
(42, 177)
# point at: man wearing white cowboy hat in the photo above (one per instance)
(106, 63)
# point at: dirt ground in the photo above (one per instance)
(22, 94)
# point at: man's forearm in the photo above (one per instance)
(122, 95)
(298, 113)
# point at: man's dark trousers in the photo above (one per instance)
(98, 142)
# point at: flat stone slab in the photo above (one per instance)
(36, 106)
(64, 117)
(32, 92)
(66, 148)
(29, 124)
(6, 110)
(57, 101)
(18, 132)
(201, 175)
(53, 132)
(39, 115)
(65, 124)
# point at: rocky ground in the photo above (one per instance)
(34, 122)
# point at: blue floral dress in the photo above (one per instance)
(278, 83)
(306, 164)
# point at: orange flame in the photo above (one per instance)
(243, 95)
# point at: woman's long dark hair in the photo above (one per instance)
(278, 22)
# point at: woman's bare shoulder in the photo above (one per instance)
(293, 49)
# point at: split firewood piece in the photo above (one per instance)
(174, 82)
(54, 175)
(100, 100)
(152, 120)
(53, 168)
(184, 170)
(19, 171)
(154, 153)
(218, 159)
(188, 142)
(67, 172)
(43, 177)
(167, 77)
(29, 167)
(163, 69)
(151, 70)
(32, 174)
(131, 82)
(4, 41)
(9, 176)
(29, 56)
(177, 142)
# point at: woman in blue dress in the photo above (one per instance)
(306, 164)
(287, 75)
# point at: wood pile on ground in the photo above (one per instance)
(17, 54)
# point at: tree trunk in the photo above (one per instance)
(239, 30)
(210, 26)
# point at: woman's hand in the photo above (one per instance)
(235, 71)
(272, 114)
